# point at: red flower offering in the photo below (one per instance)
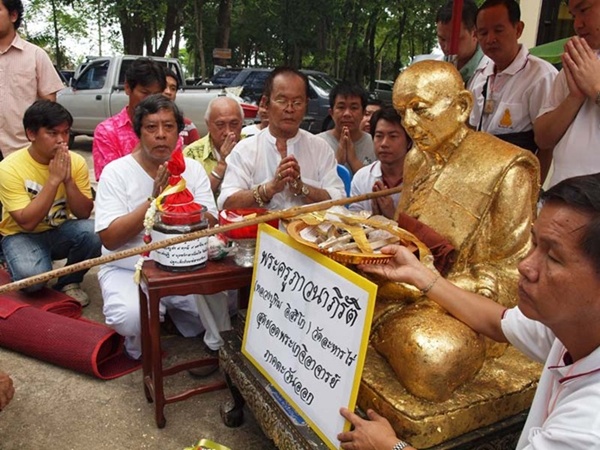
(176, 202)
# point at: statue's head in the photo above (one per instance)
(433, 102)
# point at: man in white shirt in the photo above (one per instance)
(282, 165)
(555, 322)
(509, 89)
(124, 195)
(570, 116)
(391, 144)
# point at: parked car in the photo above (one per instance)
(68, 74)
(253, 82)
(382, 90)
(98, 92)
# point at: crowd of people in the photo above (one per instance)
(499, 88)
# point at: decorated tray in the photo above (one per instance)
(304, 233)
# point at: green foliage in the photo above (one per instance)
(359, 40)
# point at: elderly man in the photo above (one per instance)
(555, 321)
(469, 53)
(282, 165)
(486, 217)
(123, 198)
(509, 89)
(115, 137)
(26, 74)
(570, 114)
(224, 119)
(352, 146)
(45, 190)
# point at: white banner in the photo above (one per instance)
(307, 329)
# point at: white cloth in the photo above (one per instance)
(254, 160)
(363, 182)
(364, 147)
(576, 153)
(564, 413)
(250, 130)
(124, 185)
(517, 93)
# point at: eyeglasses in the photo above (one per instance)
(283, 103)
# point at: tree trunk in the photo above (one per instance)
(198, 5)
(171, 25)
(223, 28)
(56, 41)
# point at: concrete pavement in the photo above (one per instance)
(58, 409)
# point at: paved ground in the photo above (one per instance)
(57, 409)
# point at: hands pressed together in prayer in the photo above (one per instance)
(59, 167)
(287, 175)
(228, 144)
(160, 180)
(383, 206)
(346, 153)
(581, 66)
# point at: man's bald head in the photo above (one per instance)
(223, 116)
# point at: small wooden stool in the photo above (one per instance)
(217, 276)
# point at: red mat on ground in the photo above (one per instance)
(45, 326)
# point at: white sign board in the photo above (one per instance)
(307, 329)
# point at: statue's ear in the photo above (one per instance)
(464, 103)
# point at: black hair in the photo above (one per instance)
(581, 193)
(514, 11)
(12, 6)
(145, 72)
(45, 114)
(171, 73)
(282, 70)
(347, 89)
(375, 102)
(388, 114)
(468, 18)
(151, 105)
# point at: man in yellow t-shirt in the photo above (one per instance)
(47, 199)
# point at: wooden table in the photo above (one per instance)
(216, 277)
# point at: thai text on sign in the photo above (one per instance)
(307, 329)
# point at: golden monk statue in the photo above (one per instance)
(478, 192)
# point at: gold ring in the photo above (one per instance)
(279, 175)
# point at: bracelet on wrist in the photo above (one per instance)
(257, 198)
(427, 288)
(400, 445)
(266, 198)
(216, 175)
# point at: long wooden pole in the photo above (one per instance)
(281, 214)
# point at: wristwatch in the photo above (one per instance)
(400, 445)
(597, 101)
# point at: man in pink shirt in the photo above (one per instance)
(115, 137)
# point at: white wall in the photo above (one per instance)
(530, 15)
